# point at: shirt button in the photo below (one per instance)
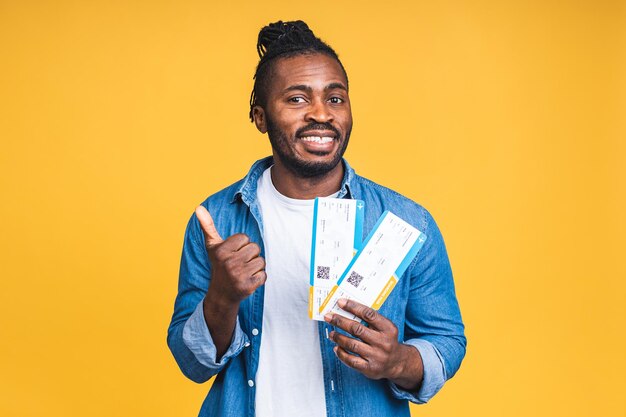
(250, 383)
(255, 332)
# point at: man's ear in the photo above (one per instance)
(258, 114)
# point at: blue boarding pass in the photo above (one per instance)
(337, 236)
(376, 268)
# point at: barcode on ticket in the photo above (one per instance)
(355, 279)
(323, 272)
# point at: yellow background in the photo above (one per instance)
(505, 119)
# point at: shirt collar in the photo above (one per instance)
(247, 190)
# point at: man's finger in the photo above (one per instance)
(211, 234)
(352, 345)
(255, 265)
(352, 361)
(365, 313)
(352, 327)
(260, 277)
(250, 251)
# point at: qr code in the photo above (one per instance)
(355, 279)
(323, 272)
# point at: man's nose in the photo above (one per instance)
(319, 111)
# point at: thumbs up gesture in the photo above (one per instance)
(237, 268)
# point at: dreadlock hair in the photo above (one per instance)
(284, 40)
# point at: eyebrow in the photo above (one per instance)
(335, 86)
(308, 89)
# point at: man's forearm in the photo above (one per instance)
(221, 318)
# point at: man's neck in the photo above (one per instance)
(292, 186)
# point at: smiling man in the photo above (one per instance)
(242, 307)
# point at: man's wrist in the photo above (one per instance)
(218, 305)
(408, 373)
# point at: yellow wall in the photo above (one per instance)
(505, 119)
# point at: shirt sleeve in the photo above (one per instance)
(433, 323)
(197, 338)
(434, 374)
(188, 335)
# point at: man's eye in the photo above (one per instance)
(296, 100)
(336, 100)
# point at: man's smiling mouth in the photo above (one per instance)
(317, 139)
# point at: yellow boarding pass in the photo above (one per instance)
(378, 265)
(337, 235)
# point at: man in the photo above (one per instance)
(242, 307)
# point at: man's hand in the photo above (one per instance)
(374, 351)
(237, 271)
(237, 268)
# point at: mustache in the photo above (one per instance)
(318, 126)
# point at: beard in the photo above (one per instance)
(299, 167)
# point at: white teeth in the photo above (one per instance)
(317, 139)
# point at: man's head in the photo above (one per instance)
(300, 98)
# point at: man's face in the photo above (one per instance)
(307, 115)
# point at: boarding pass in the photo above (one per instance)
(377, 266)
(337, 235)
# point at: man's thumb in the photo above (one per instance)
(211, 235)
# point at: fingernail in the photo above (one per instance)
(328, 317)
(335, 350)
(342, 302)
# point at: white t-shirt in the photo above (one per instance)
(289, 379)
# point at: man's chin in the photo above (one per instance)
(311, 168)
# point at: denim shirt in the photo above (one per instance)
(422, 305)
